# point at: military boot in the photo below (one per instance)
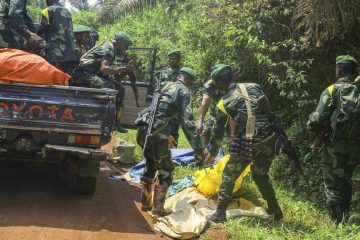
(146, 196)
(275, 210)
(336, 212)
(159, 200)
(219, 215)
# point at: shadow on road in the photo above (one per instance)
(37, 198)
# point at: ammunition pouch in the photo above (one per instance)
(141, 135)
(242, 146)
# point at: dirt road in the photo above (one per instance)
(34, 206)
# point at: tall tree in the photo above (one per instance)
(80, 4)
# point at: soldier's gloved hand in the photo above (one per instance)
(200, 126)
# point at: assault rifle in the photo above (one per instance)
(152, 110)
(285, 142)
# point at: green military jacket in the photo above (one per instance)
(319, 120)
(176, 103)
(56, 24)
(211, 90)
(14, 23)
(232, 105)
(169, 74)
(91, 60)
(80, 50)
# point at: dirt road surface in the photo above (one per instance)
(35, 206)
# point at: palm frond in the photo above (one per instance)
(113, 9)
(322, 20)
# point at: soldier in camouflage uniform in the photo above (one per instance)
(82, 38)
(16, 28)
(56, 25)
(170, 74)
(341, 153)
(211, 96)
(95, 69)
(258, 151)
(175, 102)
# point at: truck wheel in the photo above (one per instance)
(86, 185)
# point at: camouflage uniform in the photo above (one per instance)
(175, 102)
(56, 24)
(170, 75)
(80, 50)
(88, 73)
(210, 89)
(233, 105)
(14, 24)
(340, 156)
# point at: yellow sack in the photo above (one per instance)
(208, 180)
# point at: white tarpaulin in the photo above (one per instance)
(189, 209)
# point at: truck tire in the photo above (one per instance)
(86, 185)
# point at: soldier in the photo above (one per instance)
(170, 74)
(82, 38)
(175, 102)
(96, 67)
(337, 115)
(16, 27)
(211, 96)
(254, 143)
(56, 24)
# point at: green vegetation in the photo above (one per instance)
(288, 47)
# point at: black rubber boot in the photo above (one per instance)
(267, 191)
(120, 128)
(275, 210)
(336, 213)
(219, 215)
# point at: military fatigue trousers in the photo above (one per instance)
(339, 159)
(263, 153)
(84, 79)
(158, 159)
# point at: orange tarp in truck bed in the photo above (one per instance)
(18, 66)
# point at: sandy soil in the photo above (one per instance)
(35, 206)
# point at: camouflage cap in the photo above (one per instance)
(345, 59)
(81, 29)
(189, 71)
(220, 70)
(124, 36)
(174, 53)
(215, 66)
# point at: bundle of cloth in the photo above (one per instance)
(17, 66)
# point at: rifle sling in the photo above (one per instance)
(251, 120)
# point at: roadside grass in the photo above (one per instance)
(302, 219)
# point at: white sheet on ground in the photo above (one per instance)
(190, 208)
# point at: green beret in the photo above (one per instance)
(345, 59)
(220, 70)
(124, 36)
(188, 71)
(81, 29)
(174, 53)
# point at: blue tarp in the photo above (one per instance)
(180, 156)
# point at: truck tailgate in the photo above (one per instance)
(57, 109)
